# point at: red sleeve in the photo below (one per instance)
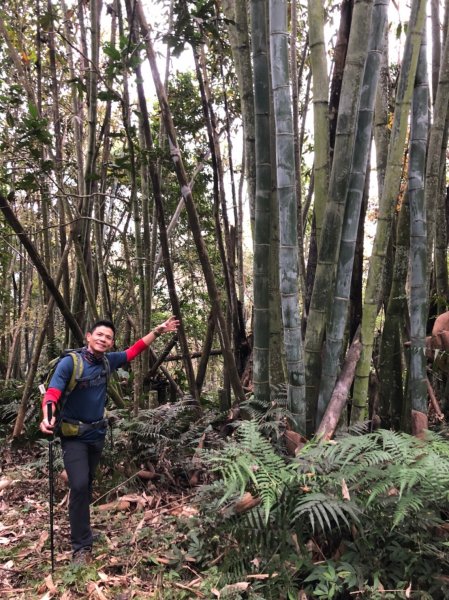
(51, 395)
(135, 350)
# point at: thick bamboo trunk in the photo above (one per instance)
(286, 192)
(336, 325)
(263, 225)
(391, 385)
(418, 243)
(329, 243)
(387, 205)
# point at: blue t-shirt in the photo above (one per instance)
(87, 400)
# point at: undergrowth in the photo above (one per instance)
(364, 516)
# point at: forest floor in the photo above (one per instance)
(138, 555)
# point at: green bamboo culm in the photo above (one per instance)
(329, 243)
(391, 385)
(261, 353)
(387, 205)
(320, 78)
(335, 330)
(435, 188)
(286, 178)
(418, 243)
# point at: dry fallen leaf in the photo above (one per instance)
(50, 585)
(345, 490)
(241, 586)
(136, 531)
(40, 543)
(4, 483)
(115, 506)
(95, 591)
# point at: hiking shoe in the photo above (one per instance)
(83, 556)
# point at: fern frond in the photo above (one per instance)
(406, 506)
(322, 508)
(250, 460)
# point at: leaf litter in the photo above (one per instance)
(138, 538)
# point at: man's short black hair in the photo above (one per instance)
(102, 323)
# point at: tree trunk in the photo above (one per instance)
(418, 243)
(288, 240)
(336, 325)
(194, 223)
(387, 205)
(263, 225)
(329, 242)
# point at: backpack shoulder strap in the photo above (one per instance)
(106, 366)
(76, 372)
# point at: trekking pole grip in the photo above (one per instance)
(49, 411)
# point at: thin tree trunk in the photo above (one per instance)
(381, 116)
(14, 349)
(194, 223)
(341, 49)
(237, 25)
(298, 139)
(435, 157)
(320, 88)
(41, 268)
(205, 353)
(436, 45)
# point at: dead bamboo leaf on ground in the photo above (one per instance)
(4, 483)
(50, 585)
(197, 593)
(137, 529)
(95, 592)
(114, 506)
(40, 543)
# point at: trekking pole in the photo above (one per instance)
(50, 485)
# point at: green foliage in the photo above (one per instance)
(9, 403)
(271, 417)
(192, 20)
(249, 461)
(356, 515)
(10, 397)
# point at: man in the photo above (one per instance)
(81, 422)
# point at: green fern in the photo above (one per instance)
(378, 496)
(250, 461)
(326, 511)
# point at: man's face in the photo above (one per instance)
(100, 340)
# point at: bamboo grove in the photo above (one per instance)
(272, 172)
